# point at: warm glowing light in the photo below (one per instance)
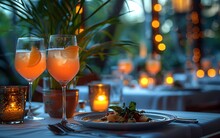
(157, 7)
(197, 54)
(101, 97)
(158, 38)
(143, 51)
(155, 24)
(200, 73)
(181, 5)
(195, 17)
(78, 8)
(125, 66)
(211, 73)
(151, 81)
(196, 58)
(78, 31)
(100, 104)
(13, 104)
(169, 80)
(144, 82)
(161, 46)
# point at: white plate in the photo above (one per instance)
(159, 120)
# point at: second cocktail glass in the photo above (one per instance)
(63, 63)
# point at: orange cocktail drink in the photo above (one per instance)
(125, 66)
(30, 64)
(63, 63)
(153, 66)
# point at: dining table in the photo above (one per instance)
(208, 126)
(164, 98)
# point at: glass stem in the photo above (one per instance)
(64, 120)
(29, 114)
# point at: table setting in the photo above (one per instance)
(162, 123)
(171, 124)
(59, 47)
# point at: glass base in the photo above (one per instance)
(33, 118)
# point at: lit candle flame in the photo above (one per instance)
(101, 97)
(169, 80)
(12, 104)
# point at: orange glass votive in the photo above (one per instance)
(99, 97)
(13, 100)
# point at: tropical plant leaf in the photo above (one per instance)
(63, 17)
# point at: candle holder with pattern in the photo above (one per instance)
(12, 101)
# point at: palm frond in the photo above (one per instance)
(54, 16)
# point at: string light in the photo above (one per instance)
(157, 7)
(211, 73)
(155, 24)
(158, 38)
(200, 73)
(162, 47)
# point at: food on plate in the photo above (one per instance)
(125, 114)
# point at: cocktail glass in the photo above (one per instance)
(153, 65)
(63, 63)
(125, 67)
(30, 63)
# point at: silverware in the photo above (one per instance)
(56, 130)
(185, 120)
(63, 129)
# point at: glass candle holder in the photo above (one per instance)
(116, 85)
(99, 97)
(12, 101)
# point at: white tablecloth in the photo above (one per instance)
(209, 124)
(162, 99)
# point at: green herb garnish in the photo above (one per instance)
(127, 112)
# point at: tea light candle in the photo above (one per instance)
(99, 97)
(143, 81)
(13, 112)
(100, 103)
(169, 80)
